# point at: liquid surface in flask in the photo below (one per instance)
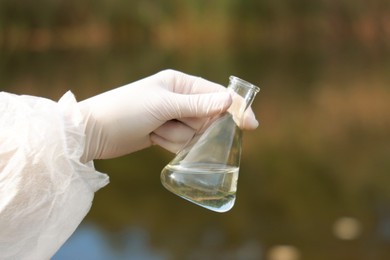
(209, 185)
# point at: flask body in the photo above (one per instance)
(206, 170)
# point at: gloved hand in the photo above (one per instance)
(164, 109)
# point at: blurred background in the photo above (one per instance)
(314, 178)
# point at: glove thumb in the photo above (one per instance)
(202, 105)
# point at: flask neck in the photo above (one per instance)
(243, 93)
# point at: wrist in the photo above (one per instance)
(89, 123)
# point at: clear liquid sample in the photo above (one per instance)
(209, 185)
(205, 170)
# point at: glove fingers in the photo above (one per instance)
(164, 143)
(250, 122)
(188, 84)
(175, 131)
(194, 110)
(201, 105)
(193, 122)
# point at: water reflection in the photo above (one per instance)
(283, 252)
(347, 228)
(89, 242)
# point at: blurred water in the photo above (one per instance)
(89, 242)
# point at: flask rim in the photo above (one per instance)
(237, 80)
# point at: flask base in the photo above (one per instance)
(212, 186)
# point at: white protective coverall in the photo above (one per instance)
(45, 191)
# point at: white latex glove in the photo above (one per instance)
(164, 109)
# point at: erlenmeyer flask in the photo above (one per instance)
(205, 171)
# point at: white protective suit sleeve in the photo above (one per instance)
(45, 191)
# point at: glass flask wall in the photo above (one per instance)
(205, 171)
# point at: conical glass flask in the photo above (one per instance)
(205, 171)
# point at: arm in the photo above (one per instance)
(47, 177)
